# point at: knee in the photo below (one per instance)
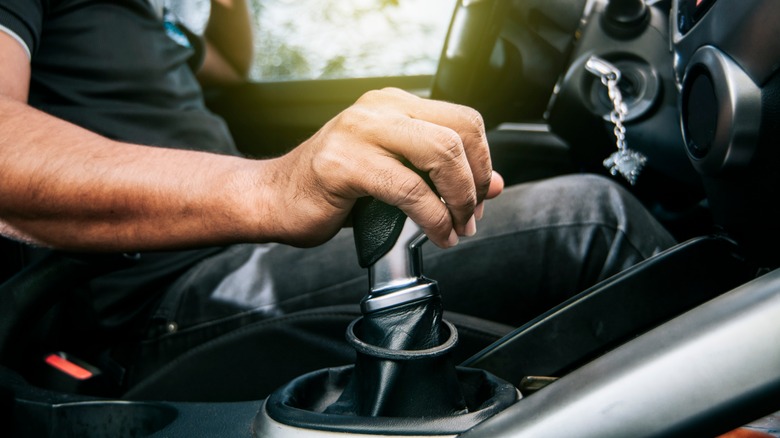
(600, 200)
(592, 190)
(588, 185)
(568, 200)
(586, 192)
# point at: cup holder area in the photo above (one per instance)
(116, 419)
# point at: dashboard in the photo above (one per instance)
(699, 79)
(727, 69)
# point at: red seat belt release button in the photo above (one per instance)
(68, 367)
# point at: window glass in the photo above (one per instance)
(348, 38)
(323, 39)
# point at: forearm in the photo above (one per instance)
(65, 187)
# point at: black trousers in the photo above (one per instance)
(538, 244)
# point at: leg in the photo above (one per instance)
(538, 244)
(541, 243)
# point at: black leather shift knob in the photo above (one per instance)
(376, 227)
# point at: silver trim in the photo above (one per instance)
(739, 112)
(18, 39)
(267, 427)
(397, 278)
(386, 299)
(402, 265)
(704, 368)
(524, 127)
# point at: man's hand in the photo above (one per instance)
(364, 151)
(80, 191)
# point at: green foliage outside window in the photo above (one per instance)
(348, 38)
(322, 39)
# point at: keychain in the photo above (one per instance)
(625, 161)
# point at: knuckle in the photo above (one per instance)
(412, 190)
(387, 97)
(467, 201)
(449, 145)
(441, 219)
(370, 96)
(471, 199)
(394, 93)
(483, 177)
(382, 181)
(379, 95)
(391, 90)
(355, 118)
(476, 120)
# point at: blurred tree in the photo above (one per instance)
(308, 39)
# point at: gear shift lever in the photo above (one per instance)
(396, 278)
(403, 381)
(403, 367)
(390, 245)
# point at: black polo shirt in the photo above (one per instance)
(117, 68)
(111, 66)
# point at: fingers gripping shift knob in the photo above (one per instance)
(404, 380)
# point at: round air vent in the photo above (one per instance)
(720, 113)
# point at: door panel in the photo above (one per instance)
(269, 118)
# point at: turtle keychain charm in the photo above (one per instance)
(624, 161)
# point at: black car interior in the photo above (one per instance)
(682, 344)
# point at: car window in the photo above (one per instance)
(326, 39)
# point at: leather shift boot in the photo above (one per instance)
(403, 366)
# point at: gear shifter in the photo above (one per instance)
(403, 381)
(403, 366)
(396, 278)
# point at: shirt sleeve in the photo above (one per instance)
(22, 20)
